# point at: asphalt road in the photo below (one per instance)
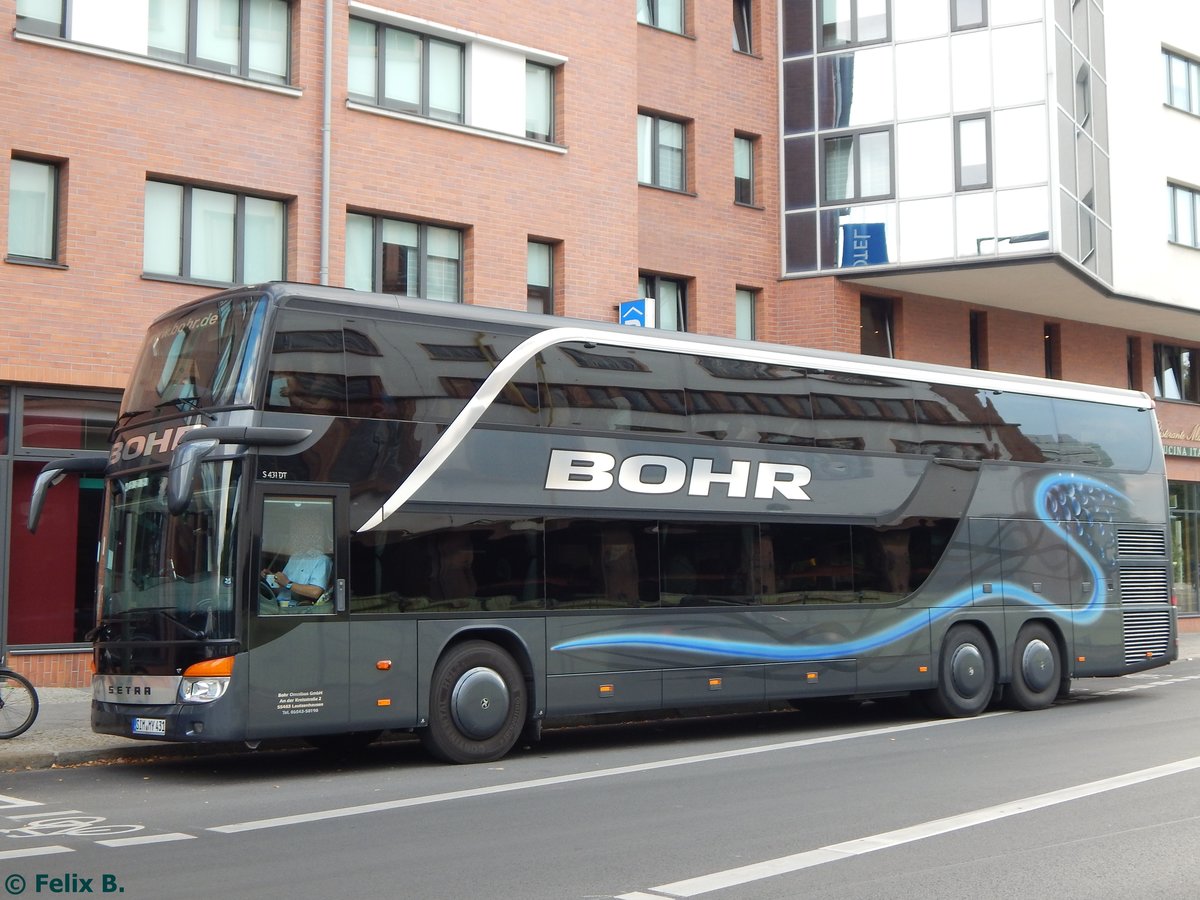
(1098, 797)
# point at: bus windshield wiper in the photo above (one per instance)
(158, 612)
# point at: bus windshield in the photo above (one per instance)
(167, 577)
(200, 358)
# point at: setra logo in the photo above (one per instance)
(590, 470)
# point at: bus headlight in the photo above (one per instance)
(202, 690)
(206, 681)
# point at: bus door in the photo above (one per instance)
(299, 626)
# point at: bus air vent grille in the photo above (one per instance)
(1147, 635)
(1144, 584)
(1141, 543)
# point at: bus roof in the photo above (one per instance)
(682, 342)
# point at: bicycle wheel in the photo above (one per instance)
(18, 704)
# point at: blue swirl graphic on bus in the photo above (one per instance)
(1080, 508)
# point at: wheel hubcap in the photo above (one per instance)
(479, 703)
(1037, 665)
(967, 670)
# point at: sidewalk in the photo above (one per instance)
(62, 734)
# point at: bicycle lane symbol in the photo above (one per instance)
(60, 823)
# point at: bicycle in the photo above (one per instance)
(18, 703)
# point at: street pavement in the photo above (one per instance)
(62, 733)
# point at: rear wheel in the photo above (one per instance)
(966, 674)
(1037, 668)
(477, 704)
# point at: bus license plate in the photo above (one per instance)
(150, 726)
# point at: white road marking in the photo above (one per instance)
(693, 887)
(33, 851)
(533, 784)
(148, 839)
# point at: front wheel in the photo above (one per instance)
(1037, 668)
(966, 674)
(18, 704)
(477, 704)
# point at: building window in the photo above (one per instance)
(1083, 96)
(662, 152)
(1175, 373)
(857, 166)
(1052, 349)
(1184, 204)
(670, 300)
(539, 102)
(967, 14)
(40, 17)
(249, 38)
(1183, 82)
(742, 40)
(33, 210)
(972, 152)
(664, 14)
(412, 259)
(407, 71)
(743, 170)
(539, 277)
(979, 340)
(875, 326)
(745, 302)
(1133, 363)
(847, 23)
(197, 234)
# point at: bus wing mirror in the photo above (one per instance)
(54, 472)
(184, 464)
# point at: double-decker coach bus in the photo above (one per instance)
(331, 514)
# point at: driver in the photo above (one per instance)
(309, 570)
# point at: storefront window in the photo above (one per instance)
(61, 423)
(1185, 545)
(51, 587)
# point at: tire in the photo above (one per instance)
(477, 704)
(18, 704)
(966, 675)
(1037, 675)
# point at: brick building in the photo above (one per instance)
(959, 182)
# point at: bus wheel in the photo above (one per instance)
(1037, 668)
(966, 674)
(476, 704)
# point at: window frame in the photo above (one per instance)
(1191, 81)
(239, 235)
(656, 147)
(1178, 360)
(881, 311)
(548, 137)
(1175, 194)
(649, 285)
(422, 227)
(743, 27)
(26, 24)
(191, 56)
(653, 17)
(423, 107)
(745, 190)
(542, 294)
(55, 203)
(959, 163)
(855, 21)
(956, 13)
(745, 313)
(857, 195)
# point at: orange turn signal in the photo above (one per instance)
(210, 668)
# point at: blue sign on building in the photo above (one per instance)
(864, 244)
(637, 313)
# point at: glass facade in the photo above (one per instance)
(919, 133)
(1185, 545)
(48, 595)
